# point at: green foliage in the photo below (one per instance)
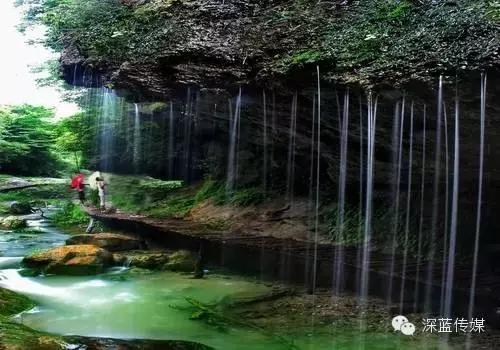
(383, 221)
(40, 195)
(103, 28)
(12, 303)
(136, 194)
(170, 199)
(26, 141)
(175, 206)
(304, 58)
(211, 189)
(70, 215)
(394, 41)
(493, 10)
(217, 191)
(215, 316)
(247, 196)
(75, 138)
(97, 26)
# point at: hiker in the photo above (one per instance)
(78, 185)
(101, 188)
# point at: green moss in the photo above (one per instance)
(70, 215)
(493, 10)
(305, 57)
(16, 336)
(51, 194)
(12, 303)
(136, 194)
(385, 41)
(170, 199)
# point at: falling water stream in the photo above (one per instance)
(339, 248)
(421, 211)
(435, 201)
(290, 177)
(408, 211)
(370, 146)
(472, 292)
(454, 213)
(234, 128)
(137, 138)
(264, 141)
(398, 128)
(122, 304)
(171, 141)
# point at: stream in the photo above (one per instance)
(151, 305)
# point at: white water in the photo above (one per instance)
(234, 127)
(398, 133)
(408, 210)
(479, 203)
(421, 212)
(454, 216)
(171, 141)
(292, 134)
(370, 147)
(435, 201)
(106, 126)
(264, 141)
(316, 207)
(137, 138)
(339, 248)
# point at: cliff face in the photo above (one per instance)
(149, 47)
(197, 53)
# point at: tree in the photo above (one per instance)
(74, 137)
(26, 141)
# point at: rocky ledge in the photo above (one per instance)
(112, 242)
(149, 47)
(82, 259)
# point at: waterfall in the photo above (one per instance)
(435, 201)
(106, 121)
(234, 127)
(290, 177)
(188, 124)
(137, 138)
(479, 203)
(316, 207)
(360, 212)
(339, 248)
(370, 151)
(408, 208)
(311, 185)
(264, 136)
(446, 210)
(454, 217)
(421, 211)
(171, 135)
(398, 128)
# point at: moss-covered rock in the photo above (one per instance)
(181, 261)
(13, 223)
(144, 259)
(112, 242)
(82, 259)
(20, 208)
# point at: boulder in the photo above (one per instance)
(181, 261)
(84, 259)
(13, 223)
(112, 242)
(20, 208)
(144, 259)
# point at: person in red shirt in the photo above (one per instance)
(77, 183)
